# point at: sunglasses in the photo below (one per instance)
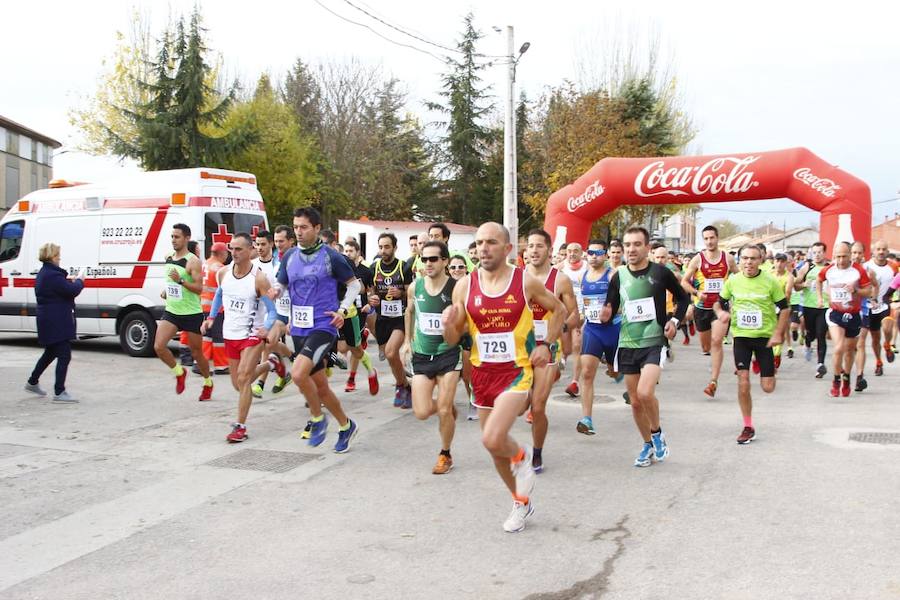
(457, 267)
(596, 252)
(431, 259)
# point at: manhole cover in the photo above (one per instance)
(875, 437)
(274, 461)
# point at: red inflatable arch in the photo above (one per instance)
(843, 201)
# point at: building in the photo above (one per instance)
(678, 232)
(799, 238)
(26, 161)
(888, 231)
(366, 233)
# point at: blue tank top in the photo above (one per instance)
(594, 294)
(313, 291)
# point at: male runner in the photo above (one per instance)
(574, 268)
(284, 241)
(756, 326)
(183, 285)
(493, 303)
(659, 254)
(441, 233)
(782, 273)
(615, 252)
(390, 277)
(242, 292)
(601, 340)
(703, 279)
(268, 264)
(362, 308)
(848, 284)
(874, 318)
(537, 251)
(639, 288)
(796, 300)
(813, 314)
(435, 363)
(312, 272)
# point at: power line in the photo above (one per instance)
(782, 212)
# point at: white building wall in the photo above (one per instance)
(459, 242)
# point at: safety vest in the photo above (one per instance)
(210, 268)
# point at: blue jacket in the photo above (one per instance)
(55, 304)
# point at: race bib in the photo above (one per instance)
(840, 295)
(173, 291)
(430, 323)
(284, 305)
(638, 311)
(540, 330)
(714, 286)
(302, 317)
(592, 309)
(237, 305)
(358, 302)
(749, 319)
(391, 308)
(496, 347)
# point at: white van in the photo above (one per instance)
(120, 233)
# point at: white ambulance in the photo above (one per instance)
(119, 232)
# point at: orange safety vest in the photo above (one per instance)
(210, 284)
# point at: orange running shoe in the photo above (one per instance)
(710, 390)
(443, 465)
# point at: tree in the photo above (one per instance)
(726, 227)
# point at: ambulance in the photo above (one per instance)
(119, 233)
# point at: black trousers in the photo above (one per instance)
(61, 352)
(816, 328)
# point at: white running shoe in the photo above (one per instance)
(64, 398)
(523, 471)
(472, 415)
(35, 389)
(516, 519)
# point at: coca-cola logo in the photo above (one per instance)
(726, 175)
(826, 187)
(595, 190)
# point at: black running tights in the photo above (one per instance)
(816, 327)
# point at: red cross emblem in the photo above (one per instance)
(254, 231)
(3, 282)
(222, 235)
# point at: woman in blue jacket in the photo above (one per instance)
(55, 321)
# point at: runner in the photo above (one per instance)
(311, 272)
(848, 284)
(640, 289)
(436, 364)
(538, 247)
(881, 273)
(493, 302)
(268, 264)
(759, 317)
(242, 288)
(458, 270)
(360, 312)
(615, 254)
(659, 254)
(213, 342)
(284, 241)
(574, 268)
(782, 273)
(704, 277)
(813, 314)
(183, 312)
(390, 277)
(796, 300)
(601, 340)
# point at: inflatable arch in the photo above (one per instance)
(843, 201)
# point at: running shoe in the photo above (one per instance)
(222, 371)
(626, 397)
(398, 396)
(691, 328)
(205, 393)
(256, 390)
(727, 340)
(472, 414)
(515, 522)
(304, 435)
(238, 434)
(687, 341)
(777, 362)
(585, 425)
(179, 382)
(660, 447)
(529, 418)
(64, 398)
(281, 383)
(706, 353)
(835, 388)
(790, 353)
(889, 352)
(338, 360)
(821, 371)
(710, 389)
(807, 354)
(344, 437)
(524, 474)
(317, 431)
(537, 463)
(845, 387)
(351, 385)
(373, 383)
(407, 397)
(35, 389)
(861, 383)
(572, 389)
(746, 436)
(276, 365)
(562, 363)
(754, 365)
(643, 459)
(364, 338)
(879, 369)
(443, 465)
(380, 354)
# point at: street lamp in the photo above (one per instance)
(510, 193)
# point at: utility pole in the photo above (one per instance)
(510, 193)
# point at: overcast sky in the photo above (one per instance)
(754, 75)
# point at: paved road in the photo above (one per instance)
(118, 497)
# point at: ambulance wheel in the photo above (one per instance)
(137, 332)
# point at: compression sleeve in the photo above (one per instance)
(353, 289)
(681, 297)
(612, 294)
(271, 313)
(782, 304)
(216, 304)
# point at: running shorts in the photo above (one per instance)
(849, 322)
(703, 318)
(316, 347)
(385, 326)
(630, 361)
(600, 341)
(283, 318)
(872, 322)
(744, 350)
(350, 331)
(796, 313)
(438, 364)
(233, 348)
(188, 323)
(489, 381)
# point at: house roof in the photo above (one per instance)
(454, 227)
(748, 237)
(18, 127)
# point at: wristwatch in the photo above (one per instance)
(343, 312)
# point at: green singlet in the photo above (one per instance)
(753, 304)
(809, 288)
(642, 323)
(179, 299)
(429, 336)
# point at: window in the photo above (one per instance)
(34, 150)
(11, 240)
(12, 142)
(12, 184)
(2, 139)
(25, 147)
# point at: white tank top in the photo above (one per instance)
(282, 303)
(242, 311)
(884, 275)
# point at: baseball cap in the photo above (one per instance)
(219, 247)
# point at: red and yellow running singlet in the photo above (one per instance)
(540, 314)
(501, 326)
(711, 278)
